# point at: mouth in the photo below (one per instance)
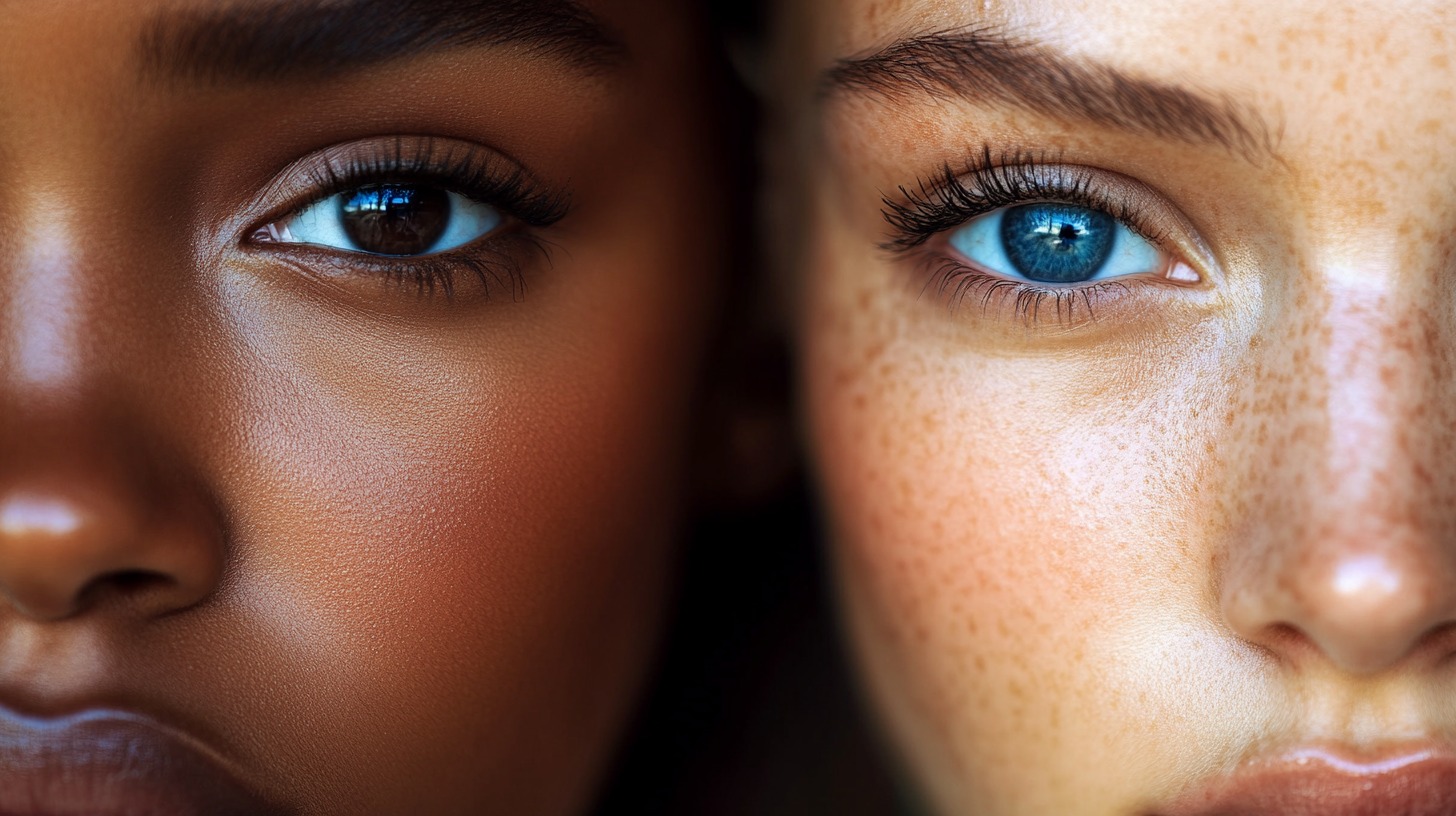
(107, 763)
(1315, 781)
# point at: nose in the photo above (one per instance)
(1346, 554)
(71, 542)
(96, 513)
(1358, 607)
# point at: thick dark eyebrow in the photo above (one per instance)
(314, 39)
(983, 65)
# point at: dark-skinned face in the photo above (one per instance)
(345, 373)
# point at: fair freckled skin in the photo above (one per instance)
(1089, 562)
(374, 551)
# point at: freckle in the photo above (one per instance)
(1339, 84)
(1440, 61)
(1223, 56)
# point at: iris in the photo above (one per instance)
(402, 220)
(395, 219)
(1057, 243)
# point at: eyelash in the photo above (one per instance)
(988, 182)
(521, 200)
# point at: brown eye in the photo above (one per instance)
(395, 219)
(399, 219)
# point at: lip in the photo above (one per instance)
(1316, 781)
(108, 763)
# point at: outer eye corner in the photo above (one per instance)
(274, 232)
(1180, 271)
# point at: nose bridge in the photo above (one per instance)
(96, 500)
(1379, 419)
(45, 315)
(1348, 545)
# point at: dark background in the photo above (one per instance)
(751, 709)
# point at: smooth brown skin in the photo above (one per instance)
(1086, 565)
(408, 555)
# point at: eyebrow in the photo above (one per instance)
(986, 64)
(316, 39)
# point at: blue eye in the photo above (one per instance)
(1050, 242)
(400, 219)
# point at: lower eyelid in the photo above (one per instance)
(1001, 301)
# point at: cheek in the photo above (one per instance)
(450, 551)
(1020, 541)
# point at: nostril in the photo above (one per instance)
(125, 585)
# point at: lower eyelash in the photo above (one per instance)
(494, 266)
(956, 283)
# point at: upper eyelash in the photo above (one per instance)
(951, 198)
(468, 172)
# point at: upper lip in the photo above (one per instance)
(1412, 781)
(110, 762)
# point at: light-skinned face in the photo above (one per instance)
(1127, 335)
(347, 352)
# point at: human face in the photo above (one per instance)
(339, 531)
(1143, 499)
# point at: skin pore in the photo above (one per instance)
(1100, 542)
(376, 534)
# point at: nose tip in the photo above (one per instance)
(1363, 613)
(63, 551)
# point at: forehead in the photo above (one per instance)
(1240, 43)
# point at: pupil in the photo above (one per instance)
(1057, 243)
(395, 219)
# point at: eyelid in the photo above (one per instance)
(497, 260)
(473, 170)
(987, 185)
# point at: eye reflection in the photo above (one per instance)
(1049, 242)
(399, 219)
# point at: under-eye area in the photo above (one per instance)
(424, 214)
(1031, 238)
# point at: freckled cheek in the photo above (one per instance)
(950, 533)
(1009, 534)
